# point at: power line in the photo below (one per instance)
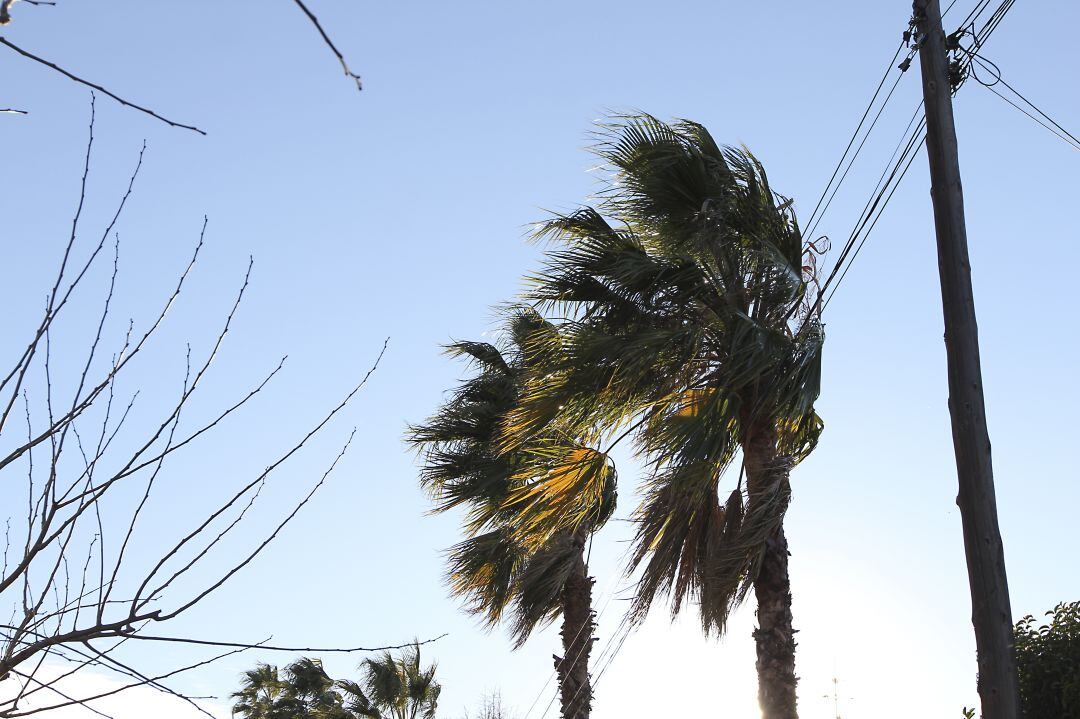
(973, 57)
(610, 590)
(878, 200)
(1054, 127)
(978, 10)
(914, 116)
(814, 217)
(872, 211)
(912, 148)
(866, 136)
(1067, 137)
(607, 655)
(895, 171)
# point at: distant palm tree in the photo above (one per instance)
(393, 688)
(262, 689)
(690, 326)
(530, 509)
(304, 692)
(390, 688)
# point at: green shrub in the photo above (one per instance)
(1048, 660)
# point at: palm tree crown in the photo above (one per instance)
(688, 299)
(526, 507)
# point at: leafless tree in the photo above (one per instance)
(77, 480)
(491, 707)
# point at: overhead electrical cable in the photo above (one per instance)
(814, 215)
(1054, 127)
(897, 168)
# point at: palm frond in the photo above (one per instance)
(541, 584)
(484, 570)
(485, 354)
(573, 488)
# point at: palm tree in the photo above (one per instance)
(690, 326)
(316, 691)
(393, 688)
(305, 692)
(390, 688)
(262, 688)
(530, 509)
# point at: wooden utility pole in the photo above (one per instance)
(991, 613)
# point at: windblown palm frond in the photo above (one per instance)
(691, 325)
(541, 583)
(523, 504)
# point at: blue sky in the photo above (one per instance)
(401, 212)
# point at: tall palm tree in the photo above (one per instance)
(530, 509)
(690, 326)
(393, 687)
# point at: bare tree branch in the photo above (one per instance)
(5, 18)
(5, 8)
(30, 678)
(274, 648)
(95, 86)
(329, 43)
(84, 701)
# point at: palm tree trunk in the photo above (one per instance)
(575, 688)
(767, 481)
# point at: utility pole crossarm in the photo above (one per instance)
(991, 613)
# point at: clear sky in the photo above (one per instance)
(400, 212)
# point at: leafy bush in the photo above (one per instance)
(1048, 660)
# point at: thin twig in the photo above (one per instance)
(273, 648)
(99, 88)
(71, 701)
(329, 43)
(84, 701)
